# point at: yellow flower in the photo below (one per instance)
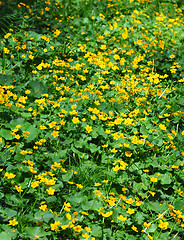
(67, 207)
(108, 214)
(88, 229)
(138, 203)
(97, 184)
(35, 184)
(86, 236)
(103, 47)
(22, 99)
(163, 225)
(152, 193)
(146, 225)
(128, 121)
(153, 179)
(125, 34)
(150, 237)
(62, 122)
(64, 226)
(50, 191)
(172, 56)
(134, 228)
(54, 226)
(84, 213)
(162, 127)
(113, 150)
(43, 207)
(68, 216)
(52, 124)
(9, 175)
(18, 188)
(98, 193)
(75, 120)
(77, 228)
(27, 92)
(55, 134)
(130, 211)
(130, 201)
(88, 129)
(13, 222)
(128, 154)
(121, 218)
(105, 181)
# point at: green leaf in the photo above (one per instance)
(107, 232)
(152, 228)
(157, 207)
(5, 236)
(78, 198)
(38, 88)
(179, 205)
(32, 232)
(6, 134)
(10, 213)
(15, 122)
(2, 143)
(38, 216)
(181, 101)
(145, 182)
(166, 179)
(139, 216)
(61, 153)
(160, 142)
(143, 130)
(47, 216)
(80, 154)
(67, 176)
(91, 205)
(33, 131)
(8, 233)
(96, 231)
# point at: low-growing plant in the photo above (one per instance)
(92, 120)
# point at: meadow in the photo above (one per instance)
(92, 120)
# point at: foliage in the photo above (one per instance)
(92, 120)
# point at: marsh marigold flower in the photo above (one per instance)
(54, 226)
(75, 120)
(134, 228)
(128, 154)
(43, 207)
(130, 211)
(50, 191)
(121, 218)
(162, 127)
(13, 222)
(153, 179)
(9, 175)
(35, 184)
(108, 214)
(67, 207)
(88, 129)
(163, 225)
(55, 134)
(18, 188)
(77, 228)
